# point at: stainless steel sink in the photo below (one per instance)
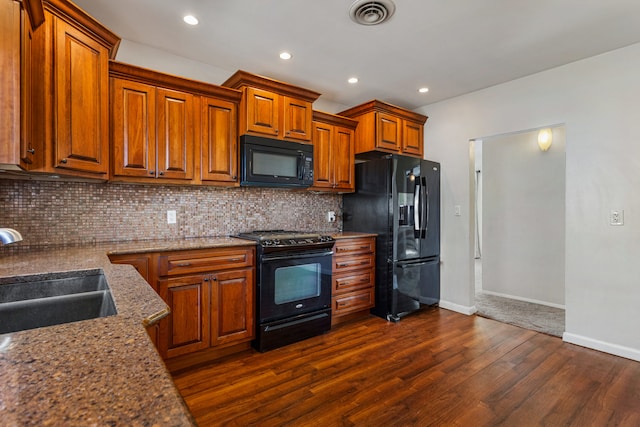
(28, 302)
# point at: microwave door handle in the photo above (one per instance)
(300, 165)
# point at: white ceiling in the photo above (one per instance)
(451, 46)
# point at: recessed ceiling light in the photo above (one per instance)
(353, 80)
(285, 55)
(423, 90)
(190, 19)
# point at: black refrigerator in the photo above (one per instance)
(398, 198)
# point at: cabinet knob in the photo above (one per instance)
(277, 131)
(31, 151)
(63, 161)
(234, 177)
(152, 172)
(161, 173)
(206, 279)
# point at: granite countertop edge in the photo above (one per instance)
(102, 371)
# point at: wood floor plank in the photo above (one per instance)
(435, 367)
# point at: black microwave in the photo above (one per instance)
(270, 162)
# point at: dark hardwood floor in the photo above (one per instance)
(434, 368)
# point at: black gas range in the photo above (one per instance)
(293, 286)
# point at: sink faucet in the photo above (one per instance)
(9, 235)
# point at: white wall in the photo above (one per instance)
(598, 101)
(523, 217)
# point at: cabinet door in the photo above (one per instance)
(232, 307)
(176, 134)
(388, 130)
(322, 139)
(81, 101)
(262, 111)
(412, 138)
(186, 329)
(343, 159)
(31, 154)
(133, 111)
(297, 119)
(219, 153)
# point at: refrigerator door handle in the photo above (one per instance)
(425, 188)
(417, 226)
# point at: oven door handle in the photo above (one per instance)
(296, 256)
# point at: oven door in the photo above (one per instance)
(294, 283)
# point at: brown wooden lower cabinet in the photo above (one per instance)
(186, 329)
(232, 302)
(210, 293)
(353, 281)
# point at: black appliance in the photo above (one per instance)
(273, 163)
(293, 286)
(398, 198)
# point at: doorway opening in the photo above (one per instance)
(518, 229)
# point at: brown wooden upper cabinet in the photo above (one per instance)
(60, 91)
(171, 128)
(70, 91)
(273, 109)
(387, 128)
(18, 20)
(333, 153)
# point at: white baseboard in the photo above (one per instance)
(615, 349)
(535, 301)
(457, 307)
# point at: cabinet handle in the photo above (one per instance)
(364, 247)
(63, 161)
(161, 173)
(277, 131)
(206, 279)
(184, 264)
(234, 177)
(31, 151)
(235, 259)
(215, 279)
(364, 280)
(364, 262)
(152, 172)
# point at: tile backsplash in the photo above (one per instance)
(49, 213)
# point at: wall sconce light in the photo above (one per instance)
(545, 138)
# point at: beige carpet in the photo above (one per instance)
(541, 318)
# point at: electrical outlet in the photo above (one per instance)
(331, 216)
(616, 217)
(171, 217)
(457, 210)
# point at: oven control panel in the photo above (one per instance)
(296, 241)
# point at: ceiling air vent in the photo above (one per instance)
(367, 12)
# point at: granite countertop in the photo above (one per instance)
(350, 235)
(101, 371)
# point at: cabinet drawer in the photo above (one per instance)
(352, 263)
(188, 262)
(352, 302)
(351, 281)
(355, 246)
